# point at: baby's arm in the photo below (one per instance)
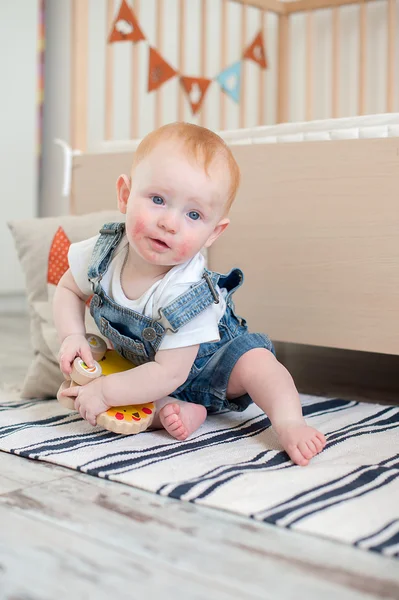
(151, 381)
(68, 311)
(146, 383)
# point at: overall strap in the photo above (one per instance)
(199, 297)
(110, 236)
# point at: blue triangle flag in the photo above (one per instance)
(230, 80)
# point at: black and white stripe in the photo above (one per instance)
(384, 540)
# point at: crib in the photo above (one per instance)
(315, 223)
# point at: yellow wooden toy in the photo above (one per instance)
(126, 420)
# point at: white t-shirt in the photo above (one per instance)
(201, 329)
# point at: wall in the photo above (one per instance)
(18, 140)
(57, 106)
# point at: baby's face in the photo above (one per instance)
(174, 208)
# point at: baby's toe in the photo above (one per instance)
(171, 410)
(319, 444)
(181, 433)
(172, 419)
(297, 456)
(312, 447)
(175, 426)
(305, 450)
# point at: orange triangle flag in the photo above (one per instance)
(159, 71)
(125, 27)
(58, 257)
(256, 51)
(195, 88)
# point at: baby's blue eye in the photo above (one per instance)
(157, 200)
(194, 215)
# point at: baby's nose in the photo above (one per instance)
(169, 223)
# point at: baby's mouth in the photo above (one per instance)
(160, 243)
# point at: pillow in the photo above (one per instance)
(42, 245)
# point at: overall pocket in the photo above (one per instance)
(208, 349)
(131, 349)
(234, 323)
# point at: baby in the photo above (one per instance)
(158, 305)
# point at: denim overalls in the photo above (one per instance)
(137, 337)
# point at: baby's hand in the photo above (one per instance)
(73, 346)
(89, 399)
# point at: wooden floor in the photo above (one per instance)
(66, 535)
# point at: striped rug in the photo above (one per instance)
(349, 493)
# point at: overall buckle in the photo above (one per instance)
(94, 282)
(212, 289)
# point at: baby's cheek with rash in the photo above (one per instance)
(138, 228)
(184, 251)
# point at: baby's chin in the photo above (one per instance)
(162, 260)
(168, 258)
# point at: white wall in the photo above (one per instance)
(18, 132)
(57, 106)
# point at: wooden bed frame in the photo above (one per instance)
(314, 228)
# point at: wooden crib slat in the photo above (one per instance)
(135, 78)
(79, 68)
(109, 76)
(362, 57)
(223, 63)
(391, 26)
(335, 62)
(262, 72)
(309, 65)
(203, 56)
(242, 105)
(181, 62)
(159, 45)
(283, 68)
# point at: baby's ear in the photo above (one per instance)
(220, 227)
(123, 186)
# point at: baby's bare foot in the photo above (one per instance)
(301, 442)
(181, 419)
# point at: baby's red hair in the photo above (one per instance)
(202, 144)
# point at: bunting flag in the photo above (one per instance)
(230, 80)
(125, 26)
(195, 88)
(256, 51)
(159, 70)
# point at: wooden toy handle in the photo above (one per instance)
(97, 345)
(82, 374)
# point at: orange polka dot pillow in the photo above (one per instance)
(42, 246)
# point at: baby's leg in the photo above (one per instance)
(259, 374)
(179, 418)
